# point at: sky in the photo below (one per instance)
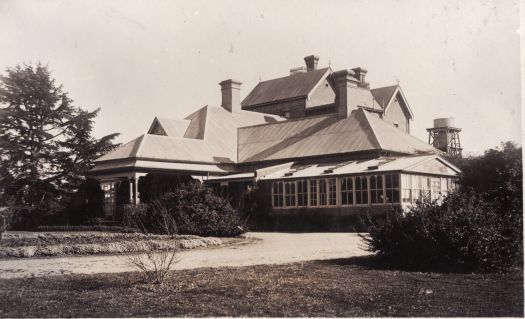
(140, 59)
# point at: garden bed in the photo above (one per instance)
(35, 244)
(347, 288)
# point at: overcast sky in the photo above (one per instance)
(141, 59)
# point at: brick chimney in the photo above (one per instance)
(360, 74)
(344, 81)
(231, 95)
(311, 62)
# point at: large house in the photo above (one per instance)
(314, 140)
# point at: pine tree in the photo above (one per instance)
(46, 146)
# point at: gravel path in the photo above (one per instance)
(272, 248)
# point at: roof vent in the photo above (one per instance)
(372, 167)
(328, 171)
(298, 70)
(288, 174)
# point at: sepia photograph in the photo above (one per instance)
(229, 158)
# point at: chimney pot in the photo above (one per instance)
(360, 74)
(231, 95)
(311, 62)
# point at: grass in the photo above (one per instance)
(352, 287)
(32, 244)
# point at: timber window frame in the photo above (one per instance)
(377, 190)
(392, 189)
(347, 191)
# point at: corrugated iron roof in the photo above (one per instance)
(384, 95)
(211, 137)
(175, 128)
(134, 164)
(289, 87)
(325, 135)
(387, 164)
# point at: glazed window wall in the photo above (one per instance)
(380, 189)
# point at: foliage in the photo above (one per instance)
(477, 228)
(86, 205)
(46, 142)
(34, 244)
(153, 184)
(190, 209)
(156, 265)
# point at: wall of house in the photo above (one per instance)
(396, 114)
(292, 108)
(322, 95)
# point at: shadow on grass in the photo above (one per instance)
(374, 262)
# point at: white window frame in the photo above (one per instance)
(351, 180)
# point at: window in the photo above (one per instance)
(332, 191)
(435, 184)
(361, 190)
(376, 189)
(406, 181)
(416, 188)
(277, 192)
(313, 192)
(302, 193)
(289, 193)
(347, 191)
(322, 192)
(425, 190)
(392, 188)
(109, 192)
(445, 182)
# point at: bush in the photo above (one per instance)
(465, 233)
(86, 204)
(190, 209)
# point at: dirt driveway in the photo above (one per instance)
(271, 248)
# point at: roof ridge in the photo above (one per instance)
(384, 87)
(287, 76)
(136, 148)
(374, 134)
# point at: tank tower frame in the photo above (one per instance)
(445, 136)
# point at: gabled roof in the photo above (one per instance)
(170, 127)
(385, 95)
(325, 135)
(285, 88)
(210, 137)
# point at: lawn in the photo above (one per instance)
(351, 287)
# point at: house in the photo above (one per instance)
(314, 140)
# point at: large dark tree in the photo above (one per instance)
(46, 142)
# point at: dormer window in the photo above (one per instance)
(396, 124)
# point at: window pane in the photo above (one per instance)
(313, 192)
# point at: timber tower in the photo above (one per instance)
(445, 136)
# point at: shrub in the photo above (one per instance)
(190, 209)
(86, 204)
(155, 266)
(465, 233)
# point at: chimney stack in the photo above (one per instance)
(311, 62)
(344, 80)
(360, 74)
(231, 95)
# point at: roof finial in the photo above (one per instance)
(397, 79)
(260, 79)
